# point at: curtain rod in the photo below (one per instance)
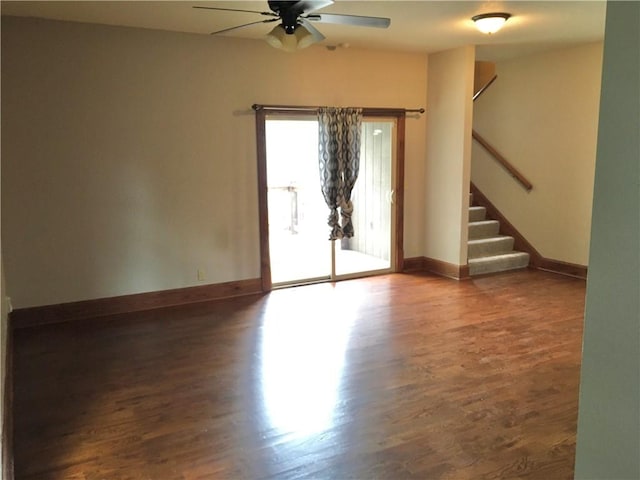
(299, 108)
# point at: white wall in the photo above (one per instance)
(542, 115)
(129, 157)
(447, 170)
(608, 442)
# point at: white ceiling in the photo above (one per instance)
(424, 26)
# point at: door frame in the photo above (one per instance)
(263, 213)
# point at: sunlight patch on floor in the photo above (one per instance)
(303, 357)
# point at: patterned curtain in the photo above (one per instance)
(339, 161)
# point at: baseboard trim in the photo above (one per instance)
(464, 272)
(437, 267)
(446, 269)
(563, 268)
(413, 264)
(64, 312)
(536, 260)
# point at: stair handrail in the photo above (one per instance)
(486, 85)
(513, 171)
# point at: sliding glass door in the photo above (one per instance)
(295, 214)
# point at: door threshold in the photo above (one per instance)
(298, 283)
(338, 278)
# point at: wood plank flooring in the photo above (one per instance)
(391, 377)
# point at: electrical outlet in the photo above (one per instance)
(200, 274)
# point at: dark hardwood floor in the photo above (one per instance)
(391, 377)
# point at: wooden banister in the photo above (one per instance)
(486, 85)
(513, 171)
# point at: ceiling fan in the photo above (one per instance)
(295, 30)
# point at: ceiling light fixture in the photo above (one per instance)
(490, 22)
(300, 38)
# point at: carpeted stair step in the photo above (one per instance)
(483, 229)
(485, 247)
(498, 263)
(489, 251)
(477, 214)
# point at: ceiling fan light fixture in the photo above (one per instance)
(303, 37)
(308, 36)
(296, 30)
(490, 22)
(276, 37)
(280, 39)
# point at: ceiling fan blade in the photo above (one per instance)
(245, 25)
(315, 33)
(378, 22)
(270, 14)
(308, 6)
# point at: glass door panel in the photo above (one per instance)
(370, 248)
(298, 246)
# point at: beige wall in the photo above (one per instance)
(447, 170)
(482, 74)
(542, 115)
(128, 155)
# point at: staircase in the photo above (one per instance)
(488, 251)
